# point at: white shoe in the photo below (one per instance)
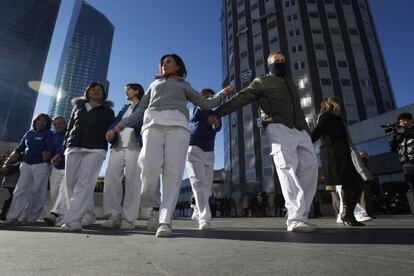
(127, 225)
(299, 227)
(153, 223)
(362, 218)
(339, 220)
(194, 217)
(74, 226)
(113, 221)
(204, 225)
(164, 230)
(87, 220)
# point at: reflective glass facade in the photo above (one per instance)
(86, 60)
(26, 29)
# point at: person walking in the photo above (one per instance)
(340, 162)
(288, 134)
(166, 133)
(200, 161)
(123, 207)
(85, 152)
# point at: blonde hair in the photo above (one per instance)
(331, 104)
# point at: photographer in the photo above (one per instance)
(401, 140)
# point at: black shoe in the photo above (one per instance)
(350, 220)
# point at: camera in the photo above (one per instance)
(390, 129)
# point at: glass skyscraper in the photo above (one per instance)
(26, 29)
(332, 49)
(84, 59)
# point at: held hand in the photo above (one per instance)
(118, 128)
(56, 159)
(14, 157)
(228, 90)
(110, 135)
(46, 155)
(213, 120)
(216, 125)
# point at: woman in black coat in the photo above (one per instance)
(336, 160)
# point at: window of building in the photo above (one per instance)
(247, 117)
(319, 46)
(230, 25)
(297, 32)
(302, 83)
(326, 81)
(243, 54)
(370, 101)
(296, 65)
(230, 36)
(254, 6)
(273, 40)
(331, 15)
(241, 15)
(267, 171)
(229, 14)
(328, 2)
(346, 2)
(258, 47)
(266, 150)
(346, 82)
(292, 2)
(342, 64)
(294, 49)
(287, 4)
(300, 48)
(295, 16)
(322, 63)
(335, 31)
(353, 31)
(365, 82)
(259, 62)
(302, 65)
(272, 24)
(316, 31)
(289, 18)
(311, 1)
(306, 102)
(291, 33)
(313, 15)
(240, 3)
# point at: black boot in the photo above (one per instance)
(349, 196)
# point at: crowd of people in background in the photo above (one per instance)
(153, 139)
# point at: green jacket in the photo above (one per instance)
(277, 99)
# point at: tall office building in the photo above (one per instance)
(26, 29)
(332, 49)
(85, 57)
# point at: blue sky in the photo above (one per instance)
(145, 30)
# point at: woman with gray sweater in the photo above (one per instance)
(166, 134)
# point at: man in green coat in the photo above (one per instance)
(288, 133)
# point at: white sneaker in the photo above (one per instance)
(362, 218)
(74, 226)
(164, 230)
(299, 227)
(114, 220)
(204, 225)
(127, 225)
(153, 223)
(339, 220)
(87, 220)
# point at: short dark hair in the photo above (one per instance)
(182, 72)
(42, 115)
(208, 90)
(137, 87)
(93, 85)
(405, 116)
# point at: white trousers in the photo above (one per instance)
(119, 160)
(59, 207)
(297, 168)
(55, 181)
(30, 193)
(163, 153)
(81, 173)
(200, 170)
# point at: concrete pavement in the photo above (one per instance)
(248, 246)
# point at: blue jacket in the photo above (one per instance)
(33, 144)
(58, 138)
(136, 127)
(202, 133)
